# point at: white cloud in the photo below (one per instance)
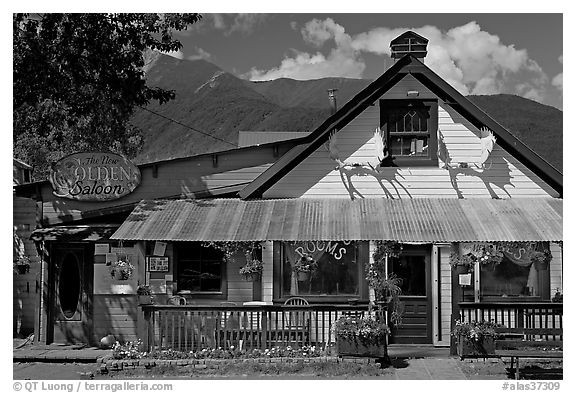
(200, 54)
(341, 61)
(472, 60)
(247, 23)
(558, 81)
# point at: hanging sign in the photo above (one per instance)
(94, 177)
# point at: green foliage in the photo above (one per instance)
(252, 266)
(78, 78)
(128, 350)
(367, 329)
(475, 330)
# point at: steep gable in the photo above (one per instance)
(521, 164)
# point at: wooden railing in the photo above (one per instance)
(531, 318)
(192, 327)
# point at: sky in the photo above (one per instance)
(477, 53)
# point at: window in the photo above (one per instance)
(338, 271)
(516, 277)
(200, 269)
(410, 127)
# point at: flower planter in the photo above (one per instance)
(347, 346)
(144, 299)
(251, 277)
(468, 348)
(303, 276)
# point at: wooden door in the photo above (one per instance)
(413, 267)
(71, 293)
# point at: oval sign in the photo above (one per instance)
(94, 176)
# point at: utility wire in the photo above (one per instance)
(187, 126)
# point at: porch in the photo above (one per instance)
(530, 318)
(194, 327)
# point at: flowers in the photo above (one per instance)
(305, 264)
(144, 290)
(366, 329)
(483, 254)
(475, 331)
(22, 264)
(253, 267)
(122, 269)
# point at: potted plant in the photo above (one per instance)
(541, 259)
(144, 294)
(361, 336)
(475, 338)
(463, 264)
(252, 270)
(122, 269)
(489, 257)
(304, 267)
(386, 287)
(22, 265)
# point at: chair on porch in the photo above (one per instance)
(297, 329)
(176, 300)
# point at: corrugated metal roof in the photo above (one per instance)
(409, 220)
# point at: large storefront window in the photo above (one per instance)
(199, 268)
(517, 276)
(336, 269)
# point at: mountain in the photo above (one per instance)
(211, 101)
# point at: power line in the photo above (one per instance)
(187, 126)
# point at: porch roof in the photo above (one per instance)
(407, 220)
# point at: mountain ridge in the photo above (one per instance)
(212, 101)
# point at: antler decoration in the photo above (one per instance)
(380, 152)
(487, 142)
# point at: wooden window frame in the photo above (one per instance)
(432, 128)
(221, 294)
(363, 256)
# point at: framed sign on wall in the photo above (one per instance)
(156, 264)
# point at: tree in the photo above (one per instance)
(78, 79)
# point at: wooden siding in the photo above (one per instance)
(316, 176)
(177, 178)
(26, 287)
(555, 269)
(268, 271)
(117, 315)
(445, 284)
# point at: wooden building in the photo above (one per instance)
(408, 159)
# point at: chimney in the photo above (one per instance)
(408, 43)
(332, 98)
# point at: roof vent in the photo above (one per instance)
(408, 43)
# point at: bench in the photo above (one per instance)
(528, 343)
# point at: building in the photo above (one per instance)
(408, 159)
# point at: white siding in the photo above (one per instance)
(267, 272)
(555, 269)
(445, 282)
(316, 176)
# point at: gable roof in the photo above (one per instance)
(406, 65)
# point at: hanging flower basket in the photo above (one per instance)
(23, 269)
(252, 270)
(303, 267)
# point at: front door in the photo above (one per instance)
(71, 278)
(413, 267)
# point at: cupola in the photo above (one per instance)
(408, 43)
